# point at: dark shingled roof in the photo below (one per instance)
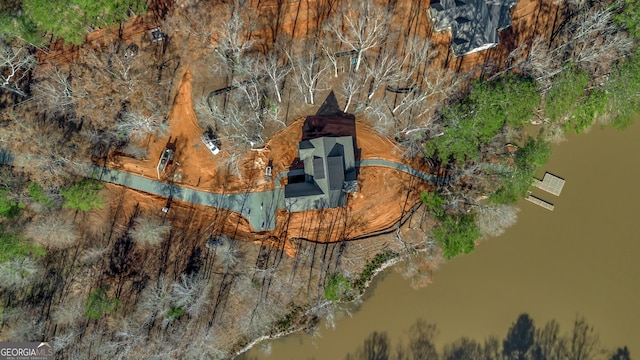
(336, 172)
(474, 24)
(318, 168)
(301, 189)
(327, 154)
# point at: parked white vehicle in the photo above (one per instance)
(209, 140)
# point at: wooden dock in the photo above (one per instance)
(550, 183)
(540, 202)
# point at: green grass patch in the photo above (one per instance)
(98, 304)
(9, 208)
(175, 312)
(628, 16)
(586, 112)
(622, 90)
(83, 195)
(36, 20)
(37, 194)
(337, 287)
(567, 90)
(13, 246)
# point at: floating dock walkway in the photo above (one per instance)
(547, 205)
(551, 184)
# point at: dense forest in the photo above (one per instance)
(93, 268)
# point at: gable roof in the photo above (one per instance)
(327, 161)
(474, 24)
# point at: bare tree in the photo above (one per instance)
(23, 326)
(206, 113)
(53, 232)
(62, 340)
(436, 86)
(53, 87)
(274, 116)
(276, 70)
(589, 38)
(238, 124)
(418, 269)
(68, 312)
(94, 254)
(227, 254)
(361, 25)
(207, 345)
(14, 66)
(417, 53)
(350, 86)
(195, 20)
(542, 64)
(595, 42)
(252, 93)
(381, 118)
(308, 68)
(386, 68)
(330, 50)
(186, 290)
(138, 127)
(155, 300)
(149, 230)
(135, 151)
(494, 220)
(231, 38)
(130, 335)
(414, 90)
(18, 272)
(108, 82)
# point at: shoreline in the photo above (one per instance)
(552, 166)
(388, 264)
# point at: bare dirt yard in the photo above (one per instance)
(390, 192)
(382, 189)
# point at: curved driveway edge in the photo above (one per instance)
(258, 207)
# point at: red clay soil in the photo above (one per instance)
(298, 19)
(381, 199)
(381, 189)
(196, 167)
(380, 202)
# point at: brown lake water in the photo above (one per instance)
(582, 258)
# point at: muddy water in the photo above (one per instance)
(581, 258)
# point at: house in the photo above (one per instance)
(325, 169)
(474, 24)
